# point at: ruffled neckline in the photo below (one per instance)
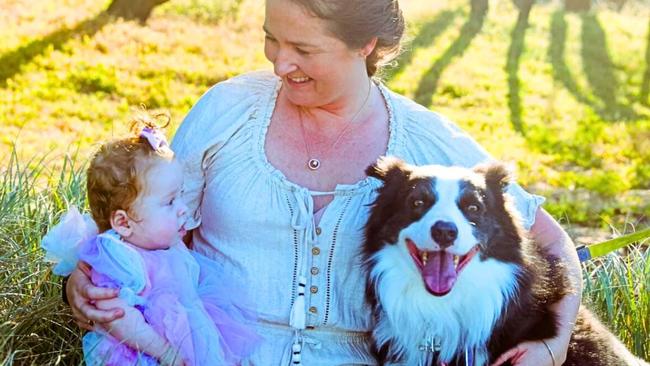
(263, 119)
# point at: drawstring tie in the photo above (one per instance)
(303, 222)
(299, 340)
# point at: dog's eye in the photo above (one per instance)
(418, 203)
(472, 208)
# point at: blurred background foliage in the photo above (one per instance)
(559, 93)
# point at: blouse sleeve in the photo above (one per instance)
(211, 122)
(436, 140)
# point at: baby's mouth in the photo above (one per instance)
(439, 269)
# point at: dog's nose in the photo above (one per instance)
(444, 233)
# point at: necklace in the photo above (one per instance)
(314, 163)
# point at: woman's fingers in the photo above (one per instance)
(90, 312)
(513, 353)
(82, 294)
(91, 292)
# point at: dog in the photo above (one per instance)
(453, 278)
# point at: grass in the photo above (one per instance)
(563, 95)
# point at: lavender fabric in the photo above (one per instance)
(205, 326)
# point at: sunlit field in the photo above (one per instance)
(563, 96)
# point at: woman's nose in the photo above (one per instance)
(283, 64)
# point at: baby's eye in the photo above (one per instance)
(171, 202)
(302, 52)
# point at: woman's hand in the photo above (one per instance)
(82, 294)
(534, 354)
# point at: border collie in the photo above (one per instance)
(453, 278)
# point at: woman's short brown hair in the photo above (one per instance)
(113, 177)
(356, 22)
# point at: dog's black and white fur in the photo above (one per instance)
(448, 262)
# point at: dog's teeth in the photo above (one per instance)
(424, 257)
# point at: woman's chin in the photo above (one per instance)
(302, 99)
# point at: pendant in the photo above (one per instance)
(313, 164)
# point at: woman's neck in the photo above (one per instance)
(332, 117)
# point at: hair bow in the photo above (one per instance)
(155, 138)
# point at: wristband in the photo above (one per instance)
(550, 352)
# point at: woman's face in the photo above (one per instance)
(317, 69)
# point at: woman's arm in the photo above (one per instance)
(134, 331)
(547, 232)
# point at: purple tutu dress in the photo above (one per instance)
(171, 290)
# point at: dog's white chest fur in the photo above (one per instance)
(462, 319)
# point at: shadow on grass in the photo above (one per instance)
(12, 61)
(429, 82)
(512, 66)
(645, 84)
(556, 50)
(428, 32)
(599, 69)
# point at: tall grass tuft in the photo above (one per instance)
(617, 288)
(37, 329)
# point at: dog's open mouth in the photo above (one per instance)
(439, 269)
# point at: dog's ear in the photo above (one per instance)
(388, 167)
(497, 175)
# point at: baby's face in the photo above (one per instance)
(159, 211)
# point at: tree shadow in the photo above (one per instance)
(645, 84)
(599, 69)
(556, 50)
(429, 82)
(426, 35)
(13, 61)
(512, 66)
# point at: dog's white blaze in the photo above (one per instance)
(411, 313)
(444, 209)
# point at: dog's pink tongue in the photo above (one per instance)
(439, 273)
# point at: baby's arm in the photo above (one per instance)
(134, 331)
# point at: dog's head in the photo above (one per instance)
(443, 218)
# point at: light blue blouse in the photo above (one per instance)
(259, 227)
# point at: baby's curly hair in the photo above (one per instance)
(114, 177)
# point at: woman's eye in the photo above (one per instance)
(171, 202)
(418, 203)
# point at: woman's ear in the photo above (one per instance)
(121, 223)
(368, 48)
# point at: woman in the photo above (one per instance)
(275, 179)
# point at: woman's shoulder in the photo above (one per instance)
(429, 131)
(417, 116)
(222, 110)
(245, 85)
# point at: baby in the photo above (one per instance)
(134, 243)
